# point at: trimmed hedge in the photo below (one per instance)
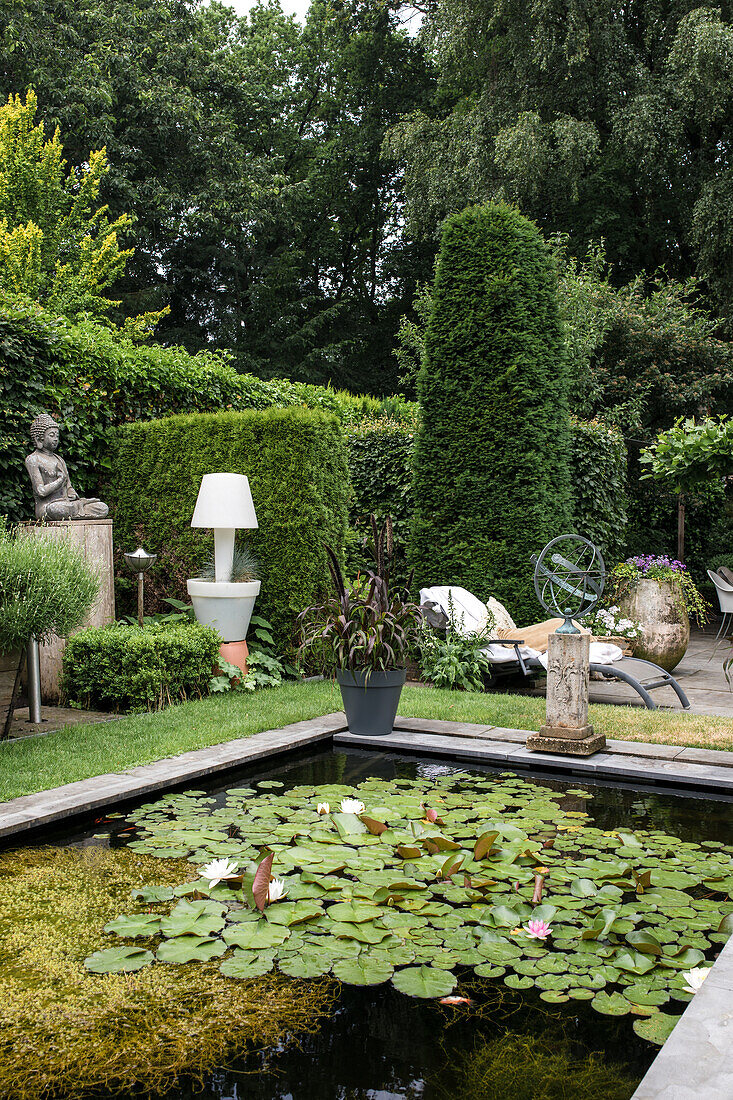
(492, 482)
(124, 668)
(380, 463)
(380, 460)
(598, 463)
(91, 378)
(295, 460)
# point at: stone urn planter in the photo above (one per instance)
(659, 608)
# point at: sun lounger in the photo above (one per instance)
(510, 656)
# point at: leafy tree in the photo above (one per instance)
(689, 456)
(608, 119)
(491, 450)
(56, 244)
(248, 152)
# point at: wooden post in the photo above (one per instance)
(566, 729)
(681, 527)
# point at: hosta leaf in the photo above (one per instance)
(424, 981)
(118, 960)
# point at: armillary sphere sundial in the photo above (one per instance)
(569, 576)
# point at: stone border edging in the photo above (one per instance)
(668, 765)
(696, 1062)
(103, 792)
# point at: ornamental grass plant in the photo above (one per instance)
(366, 625)
(46, 587)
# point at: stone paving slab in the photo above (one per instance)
(669, 765)
(696, 1062)
(53, 807)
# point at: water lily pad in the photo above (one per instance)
(186, 949)
(364, 970)
(198, 918)
(657, 1028)
(424, 981)
(139, 924)
(611, 1004)
(312, 965)
(255, 936)
(247, 964)
(118, 960)
(353, 912)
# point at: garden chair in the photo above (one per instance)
(724, 588)
(511, 656)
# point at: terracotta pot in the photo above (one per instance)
(236, 653)
(659, 608)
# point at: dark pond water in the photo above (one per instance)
(382, 1045)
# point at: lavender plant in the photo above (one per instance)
(46, 588)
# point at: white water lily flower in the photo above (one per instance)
(695, 978)
(323, 808)
(351, 806)
(275, 890)
(218, 871)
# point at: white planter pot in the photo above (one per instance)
(225, 605)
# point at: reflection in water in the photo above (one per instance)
(382, 1045)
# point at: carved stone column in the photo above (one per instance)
(566, 728)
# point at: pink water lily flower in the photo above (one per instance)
(538, 930)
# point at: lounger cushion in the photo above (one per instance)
(503, 623)
(469, 615)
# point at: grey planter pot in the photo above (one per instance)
(665, 625)
(371, 700)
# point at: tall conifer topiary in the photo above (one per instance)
(491, 455)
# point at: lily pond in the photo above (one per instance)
(480, 933)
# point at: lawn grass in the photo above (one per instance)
(79, 752)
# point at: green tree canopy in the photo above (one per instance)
(601, 118)
(57, 245)
(248, 153)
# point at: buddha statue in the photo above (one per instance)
(53, 494)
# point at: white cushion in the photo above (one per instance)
(502, 620)
(467, 613)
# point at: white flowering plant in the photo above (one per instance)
(606, 622)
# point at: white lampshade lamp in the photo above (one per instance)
(224, 503)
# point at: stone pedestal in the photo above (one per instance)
(566, 728)
(93, 539)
